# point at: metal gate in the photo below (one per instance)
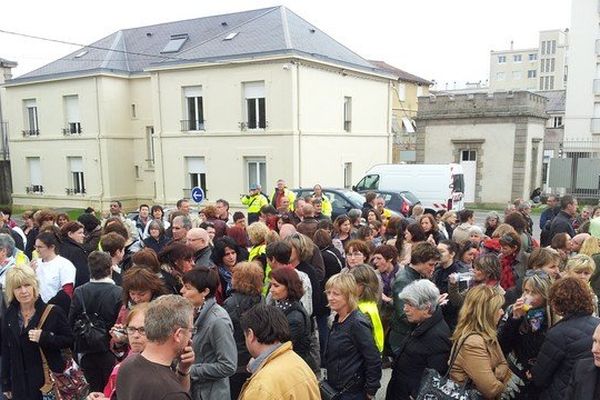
(573, 167)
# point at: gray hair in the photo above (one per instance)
(165, 315)
(354, 213)
(7, 243)
(186, 222)
(524, 205)
(422, 294)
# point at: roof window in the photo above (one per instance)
(175, 43)
(231, 35)
(81, 54)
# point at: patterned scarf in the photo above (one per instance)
(283, 305)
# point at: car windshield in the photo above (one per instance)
(410, 197)
(353, 196)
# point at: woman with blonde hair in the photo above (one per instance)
(257, 234)
(369, 296)
(351, 358)
(590, 246)
(524, 327)
(479, 357)
(25, 337)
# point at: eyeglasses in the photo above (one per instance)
(193, 239)
(132, 329)
(193, 330)
(536, 272)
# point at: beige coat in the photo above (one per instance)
(283, 375)
(482, 361)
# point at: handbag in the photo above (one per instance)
(328, 392)
(67, 385)
(437, 387)
(89, 331)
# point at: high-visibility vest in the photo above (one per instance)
(254, 203)
(370, 308)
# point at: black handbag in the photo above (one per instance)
(328, 392)
(90, 333)
(434, 386)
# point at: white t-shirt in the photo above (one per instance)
(53, 275)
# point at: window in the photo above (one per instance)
(517, 75)
(541, 83)
(551, 62)
(348, 175)
(347, 114)
(195, 109)
(73, 123)
(31, 118)
(256, 170)
(551, 83)
(543, 47)
(77, 178)
(553, 50)
(501, 59)
(468, 155)
(420, 91)
(500, 76)
(133, 111)
(532, 56)
(401, 91)
(196, 173)
(150, 146)
(136, 169)
(532, 73)
(231, 36)
(35, 175)
(254, 93)
(175, 43)
(517, 58)
(557, 122)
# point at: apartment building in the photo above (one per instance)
(220, 102)
(540, 68)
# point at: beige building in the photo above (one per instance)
(220, 102)
(496, 137)
(405, 93)
(541, 68)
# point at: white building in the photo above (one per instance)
(582, 115)
(219, 102)
(540, 68)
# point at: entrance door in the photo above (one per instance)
(468, 161)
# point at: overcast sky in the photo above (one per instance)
(445, 40)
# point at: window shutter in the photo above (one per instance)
(76, 164)
(72, 108)
(254, 90)
(35, 171)
(196, 165)
(192, 91)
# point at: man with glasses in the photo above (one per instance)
(199, 241)
(162, 370)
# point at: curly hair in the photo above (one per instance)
(502, 230)
(388, 252)
(289, 278)
(570, 296)
(247, 278)
(257, 233)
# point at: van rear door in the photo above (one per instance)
(369, 182)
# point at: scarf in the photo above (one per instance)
(388, 279)
(283, 305)
(536, 319)
(507, 276)
(226, 275)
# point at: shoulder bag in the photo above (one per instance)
(437, 387)
(89, 331)
(67, 385)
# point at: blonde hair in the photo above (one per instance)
(140, 308)
(479, 313)
(18, 276)
(590, 246)
(502, 230)
(580, 263)
(540, 283)
(365, 276)
(447, 215)
(257, 233)
(346, 284)
(303, 245)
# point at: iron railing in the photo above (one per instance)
(192, 125)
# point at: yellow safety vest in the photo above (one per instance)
(254, 203)
(370, 308)
(326, 208)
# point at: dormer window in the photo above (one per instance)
(176, 43)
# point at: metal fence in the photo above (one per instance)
(572, 166)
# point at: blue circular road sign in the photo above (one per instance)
(197, 194)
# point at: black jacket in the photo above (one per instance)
(317, 286)
(351, 354)
(74, 252)
(427, 346)
(22, 371)
(561, 223)
(583, 381)
(440, 278)
(156, 245)
(333, 264)
(236, 305)
(566, 342)
(300, 332)
(101, 298)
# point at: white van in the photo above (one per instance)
(437, 186)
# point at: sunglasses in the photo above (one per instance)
(537, 272)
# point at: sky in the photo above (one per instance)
(443, 40)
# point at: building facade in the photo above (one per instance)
(540, 68)
(219, 102)
(6, 67)
(496, 137)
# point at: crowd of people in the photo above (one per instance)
(285, 303)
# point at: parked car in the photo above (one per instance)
(342, 200)
(401, 201)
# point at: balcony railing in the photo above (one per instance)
(31, 132)
(34, 189)
(72, 129)
(74, 191)
(595, 125)
(192, 125)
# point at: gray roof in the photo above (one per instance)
(274, 30)
(7, 63)
(556, 100)
(400, 74)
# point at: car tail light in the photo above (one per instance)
(449, 205)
